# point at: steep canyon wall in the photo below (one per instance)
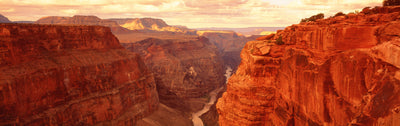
(71, 75)
(342, 70)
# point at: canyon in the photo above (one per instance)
(229, 44)
(186, 67)
(71, 75)
(183, 69)
(131, 30)
(208, 115)
(84, 70)
(343, 70)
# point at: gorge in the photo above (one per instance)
(213, 97)
(85, 70)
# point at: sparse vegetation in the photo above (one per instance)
(279, 41)
(313, 18)
(391, 2)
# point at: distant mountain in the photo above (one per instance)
(150, 24)
(121, 21)
(83, 20)
(247, 31)
(4, 19)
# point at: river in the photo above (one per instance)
(213, 94)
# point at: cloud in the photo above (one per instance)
(192, 13)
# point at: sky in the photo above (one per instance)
(190, 13)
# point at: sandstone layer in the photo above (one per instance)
(182, 68)
(71, 75)
(151, 24)
(338, 71)
(83, 20)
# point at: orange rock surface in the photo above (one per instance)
(338, 71)
(71, 75)
(182, 68)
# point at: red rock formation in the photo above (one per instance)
(83, 20)
(71, 75)
(182, 68)
(4, 19)
(338, 71)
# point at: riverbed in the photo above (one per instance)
(213, 97)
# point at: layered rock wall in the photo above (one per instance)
(71, 75)
(151, 24)
(83, 20)
(229, 43)
(182, 68)
(337, 71)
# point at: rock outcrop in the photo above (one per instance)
(71, 75)
(83, 20)
(151, 24)
(342, 70)
(182, 68)
(4, 19)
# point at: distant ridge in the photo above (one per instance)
(4, 19)
(245, 31)
(153, 24)
(83, 20)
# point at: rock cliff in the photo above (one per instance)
(182, 68)
(229, 43)
(4, 19)
(83, 20)
(342, 70)
(71, 75)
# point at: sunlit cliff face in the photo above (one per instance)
(191, 13)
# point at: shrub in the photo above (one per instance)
(313, 18)
(391, 2)
(279, 41)
(339, 14)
